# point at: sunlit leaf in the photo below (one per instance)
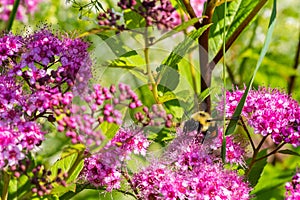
(133, 20)
(171, 62)
(289, 152)
(257, 169)
(237, 11)
(178, 28)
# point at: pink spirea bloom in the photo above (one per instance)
(293, 188)
(269, 112)
(235, 148)
(102, 106)
(158, 13)
(17, 140)
(17, 136)
(104, 168)
(234, 151)
(45, 49)
(10, 45)
(25, 7)
(188, 170)
(208, 181)
(47, 66)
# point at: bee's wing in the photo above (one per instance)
(191, 125)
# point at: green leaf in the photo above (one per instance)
(122, 57)
(163, 135)
(109, 129)
(146, 95)
(166, 74)
(168, 96)
(270, 191)
(205, 94)
(174, 107)
(271, 184)
(99, 6)
(130, 61)
(233, 122)
(133, 20)
(289, 152)
(72, 149)
(65, 165)
(115, 44)
(177, 29)
(237, 11)
(257, 169)
(169, 81)
(180, 50)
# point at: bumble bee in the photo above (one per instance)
(202, 123)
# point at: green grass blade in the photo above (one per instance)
(233, 122)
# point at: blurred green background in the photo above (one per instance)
(277, 67)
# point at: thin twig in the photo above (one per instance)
(292, 78)
(272, 152)
(248, 133)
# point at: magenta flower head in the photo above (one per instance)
(17, 139)
(269, 112)
(47, 62)
(10, 46)
(47, 66)
(189, 171)
(293, 188)
(158, 13)
(100, 105)
(210, 181)
(104, 167)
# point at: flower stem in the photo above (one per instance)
(255, 153)
(6, 180)
(150, 75)
(206, 70)
(128, 179)
(272, 152)
(12, 15)
(248, 133)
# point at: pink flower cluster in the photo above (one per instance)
(269, 112)
(293, 188)
(25, 7)
(17, 134)
(157, 116)
(10, 45)
(235, 147)
(235, 151)
(188, 170)
(159, 13)
(37, 70)
(208, 181)
(104, 168)
(103, 104)
(185, 150)
(48, 62)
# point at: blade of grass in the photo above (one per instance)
(233, 122)
(12, 15)
(223, 150)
